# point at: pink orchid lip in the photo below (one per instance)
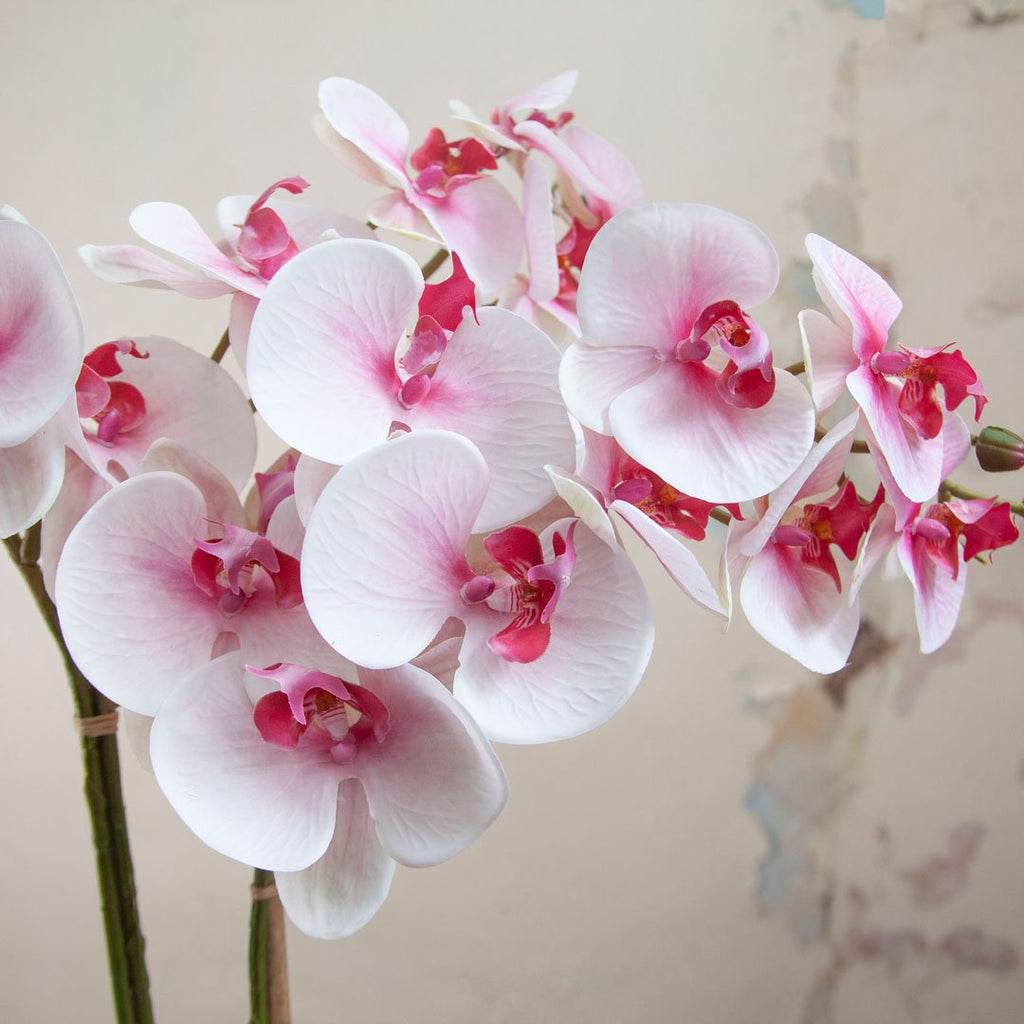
(116, 407)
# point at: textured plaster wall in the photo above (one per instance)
(619, 885)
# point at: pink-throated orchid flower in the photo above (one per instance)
(41, 345)
(326, 777)
(332, 371)
(794, 592)
(608, 480)
(672, 366)
(558, 629)
(934, 546)
(449, 199)
(260, 234)
(159, 576)
(131, 393)
(896, 388)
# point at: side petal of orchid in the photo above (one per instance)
(651, 271)
(799, 610)
(219, 493)
(592, 378)
(41, 335)
(915, 462)
(828, 357)
(678, 560)
(31, 474)
(585, 503)
(618, 184)
(719, 452)
(321, 353)
(555, 92)
(131, 264)
(541, 257)
(172, 228)
(937, 594)
(383, 562)
(366, 121)
(866, 301)
(339, 893)
(498, 386)
(246, 798)
(394, 212)
(435, 784)
(601, 640)
(482, 223)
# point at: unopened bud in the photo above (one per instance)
(999, 450)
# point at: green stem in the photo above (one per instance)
(268, 963)
(951, 489)
(125, 945)
(434, 263)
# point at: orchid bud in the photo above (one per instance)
(999, 450)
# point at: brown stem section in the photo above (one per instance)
(269, 998)
(125, 945)
(434, 263)
(222, 347)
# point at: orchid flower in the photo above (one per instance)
(333, 372)
(608, 480)
(260, 234)
(794, 592)
(596, 179)
(183, 576)
(41, 344)
(672, 366)
(449, 199)
(557, 626)
(325, 780)
(895, 389)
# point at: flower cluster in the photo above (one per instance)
(434, 563)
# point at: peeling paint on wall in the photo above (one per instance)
(865, 8)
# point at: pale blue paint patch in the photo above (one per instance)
(865, 8)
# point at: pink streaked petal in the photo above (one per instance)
(555, 92)
(321, 352)
(818, 472)
(383, 561)
(362, 118)
(172, 228)
(131, 264)
(915, 463)
(568, 161)
(434, 784)
(799, 610)
(351, 156)
(222, 504)
(31, 474)
(539, 225)
(678, 560)
(482, 223)
(619, 184)
(482, 129)
(41, 335)
(286, 530)
(498, 386)
(337, 895)
(395, 213)
(601, 639)
(828, 356)
(716, 451)
(937, 595)
(190, 399)
(864, 297)
(246, 798)
(881, 536)
(651, 271)
(591, 379)
(131, 614)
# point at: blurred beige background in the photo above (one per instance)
(619, 885)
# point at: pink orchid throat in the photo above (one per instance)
(114, 406)
(319, 711)
(748, 379)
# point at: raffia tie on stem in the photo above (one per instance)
(97, 725)
(269, 997)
